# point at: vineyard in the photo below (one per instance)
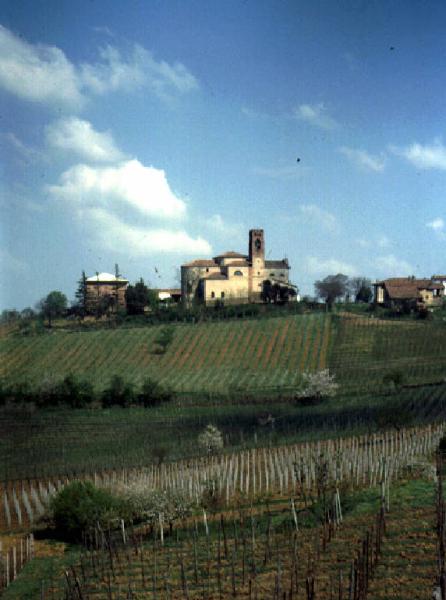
(366, 349)
(336, 519)
(250, 354)
(235, 356)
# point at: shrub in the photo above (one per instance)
(80, 506)
(74, 393)
(152, 393)
(119, 393)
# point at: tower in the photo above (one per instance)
(257, 248)
(257, 263)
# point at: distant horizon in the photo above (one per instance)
(151, 134)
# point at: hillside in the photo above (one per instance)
(229, 356)
(245, 355)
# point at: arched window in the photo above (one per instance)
(222, 294)
(272, 275)
(212, 294)
(238, 273)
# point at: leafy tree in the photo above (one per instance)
(331, 288)
(276, 293)
(81, 296)
(75, 393)
(9, 315)
(361, 289)
(139, 296)
(211, 440)
(53, 306)
(317, 386)
(79, 506)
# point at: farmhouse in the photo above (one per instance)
(399, 292)
(235, 278)
(105, 287)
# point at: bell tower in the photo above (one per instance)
(257, 248)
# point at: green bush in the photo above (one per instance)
(119, 393)
(153, 394)
(80, 506)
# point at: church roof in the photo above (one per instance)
(231, 254)
(277, 264)
(202, 262)
(106, 278)
(238, 263)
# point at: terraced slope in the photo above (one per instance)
(246, 355)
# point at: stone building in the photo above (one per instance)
(234, 278)
(409, 292)
(107, 288)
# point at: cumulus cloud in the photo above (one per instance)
(112, 233)
(363, 159)
(217, 224)
(129, 182)
(42, 73)
(31, 154)
(318, 216)
(390, 266)
(431, 156)
(78, 136)
(331, 266)
(315, 114)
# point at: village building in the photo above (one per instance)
(409, 292)
(107, 288)
(169, 295)
(234, 278)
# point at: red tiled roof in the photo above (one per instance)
(277, 264)
(206, 262)
(238, 263)
(231, 254)
(405, 287)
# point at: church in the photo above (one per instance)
(234, 278)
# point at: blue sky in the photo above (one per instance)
(150, 133)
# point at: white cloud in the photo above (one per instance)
(130, 182)
(139, 70)
(331, 266)
(436, 224)
(315, 114)
(78, 136)
(42, 73)
(391, 266)
(363, 159)
(37, 73)
(112, 234)
(424, 157)
(313, 214)
(381, 241)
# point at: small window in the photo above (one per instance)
(207, 270)
(222, 294)
(272, 274)
(212, 294)
(238, 273)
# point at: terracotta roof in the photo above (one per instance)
(231, 254)
(439, 277)
(206, 262)
(277, 264)
(215, 276)
(238, 263)
(405, 287)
